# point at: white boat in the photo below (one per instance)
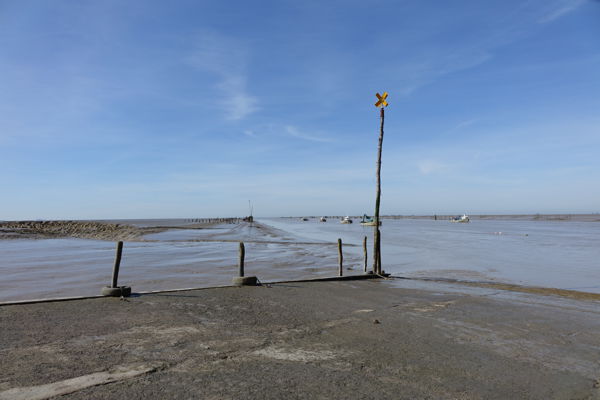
(346, 220)
(323, 219)
(463, 218)
(368, 221)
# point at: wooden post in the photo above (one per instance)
(375, 254)
(115, 275)
(242, 255)
(114, 290)
(377, 233)
(340, 256)
(365, 251)
(379, 271)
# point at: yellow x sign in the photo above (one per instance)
(381, 102)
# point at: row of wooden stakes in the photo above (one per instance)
(115, 290)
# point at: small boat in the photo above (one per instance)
(346, 220)
(464, 218)
(323, 219)
(368, 221)
(303, 219)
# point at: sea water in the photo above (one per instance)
(560, 254)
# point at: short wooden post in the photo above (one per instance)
(115, 290)
(115, 275)
(365, 251)
(375, 241)
(242, 255)
(340, 256)
(379, 271)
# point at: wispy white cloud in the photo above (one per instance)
(226, 58)
(464, 124)
(295, 132)
(429, 166)
(435, 63)
(560, 9)
(242, 105)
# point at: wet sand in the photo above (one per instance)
(182, 256)
(348, 340)
(572, 294)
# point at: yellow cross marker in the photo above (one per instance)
(381, 102)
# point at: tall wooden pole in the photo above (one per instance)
(377, 235)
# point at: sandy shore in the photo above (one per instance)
(328, 340)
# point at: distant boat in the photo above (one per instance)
(346, 220)
(304, 219)
(323, 219)
(368, 221)
(463, 218)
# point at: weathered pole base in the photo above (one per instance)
(245, 281)
(119, 291)
(383, 273)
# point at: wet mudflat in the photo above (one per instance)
(548, 253)
(71, 260)
(183, 257)
(361, 339)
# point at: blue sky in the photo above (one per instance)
(152, 109)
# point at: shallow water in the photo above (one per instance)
(178, 258)
(562, 254)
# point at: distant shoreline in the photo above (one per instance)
(522, 217)
(517, 217)
(168, 223)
